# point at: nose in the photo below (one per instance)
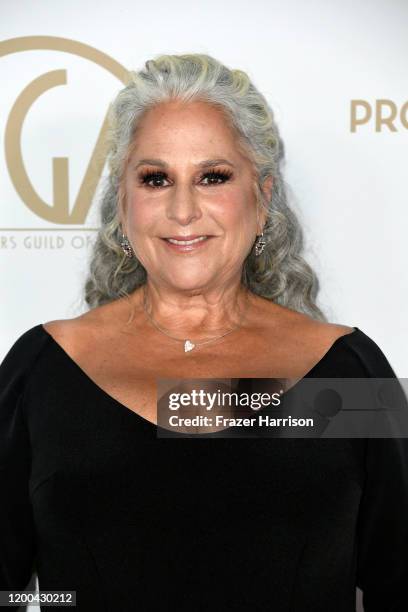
(183, 206)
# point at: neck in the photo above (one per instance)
(196, 313)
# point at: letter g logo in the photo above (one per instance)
(59, 211)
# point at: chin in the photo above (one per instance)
(183, 283)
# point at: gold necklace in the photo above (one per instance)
(188, 344)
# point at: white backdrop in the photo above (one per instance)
(310, 59)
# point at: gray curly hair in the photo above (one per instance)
(280, 273)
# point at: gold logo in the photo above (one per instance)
(59, 211)
(384, 115)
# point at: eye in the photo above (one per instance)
(153, 179)
(147, 177)
(217, 175)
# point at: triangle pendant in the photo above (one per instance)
(188, 346)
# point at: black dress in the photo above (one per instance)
(94, 501)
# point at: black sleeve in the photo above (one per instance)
(17, 534)
(382, 527)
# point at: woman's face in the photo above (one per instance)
(186, 176)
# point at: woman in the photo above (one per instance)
(196, 272)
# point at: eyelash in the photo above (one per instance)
(149, 175)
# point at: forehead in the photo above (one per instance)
(193, 125)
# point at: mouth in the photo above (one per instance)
(183, 244)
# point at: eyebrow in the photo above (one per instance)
(203, 164)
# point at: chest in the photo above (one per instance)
(139, 382)
(130, 368)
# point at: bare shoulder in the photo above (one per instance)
(319, 335)
(95, 325)
(327, 332)
(298, 323)
(64, 328)
(298, 334)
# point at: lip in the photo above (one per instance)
(183, 248)
(189, 237)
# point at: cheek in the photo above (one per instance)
(236, 210)
(140, 215)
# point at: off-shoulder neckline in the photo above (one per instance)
(151, 424)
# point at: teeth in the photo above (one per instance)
(184, 242)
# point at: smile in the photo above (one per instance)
(174, 241)
(187, 245)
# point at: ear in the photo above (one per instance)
(122, 208)
(267, 193)
(267, 188)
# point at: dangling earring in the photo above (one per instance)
(125, 244)
(259, 244)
